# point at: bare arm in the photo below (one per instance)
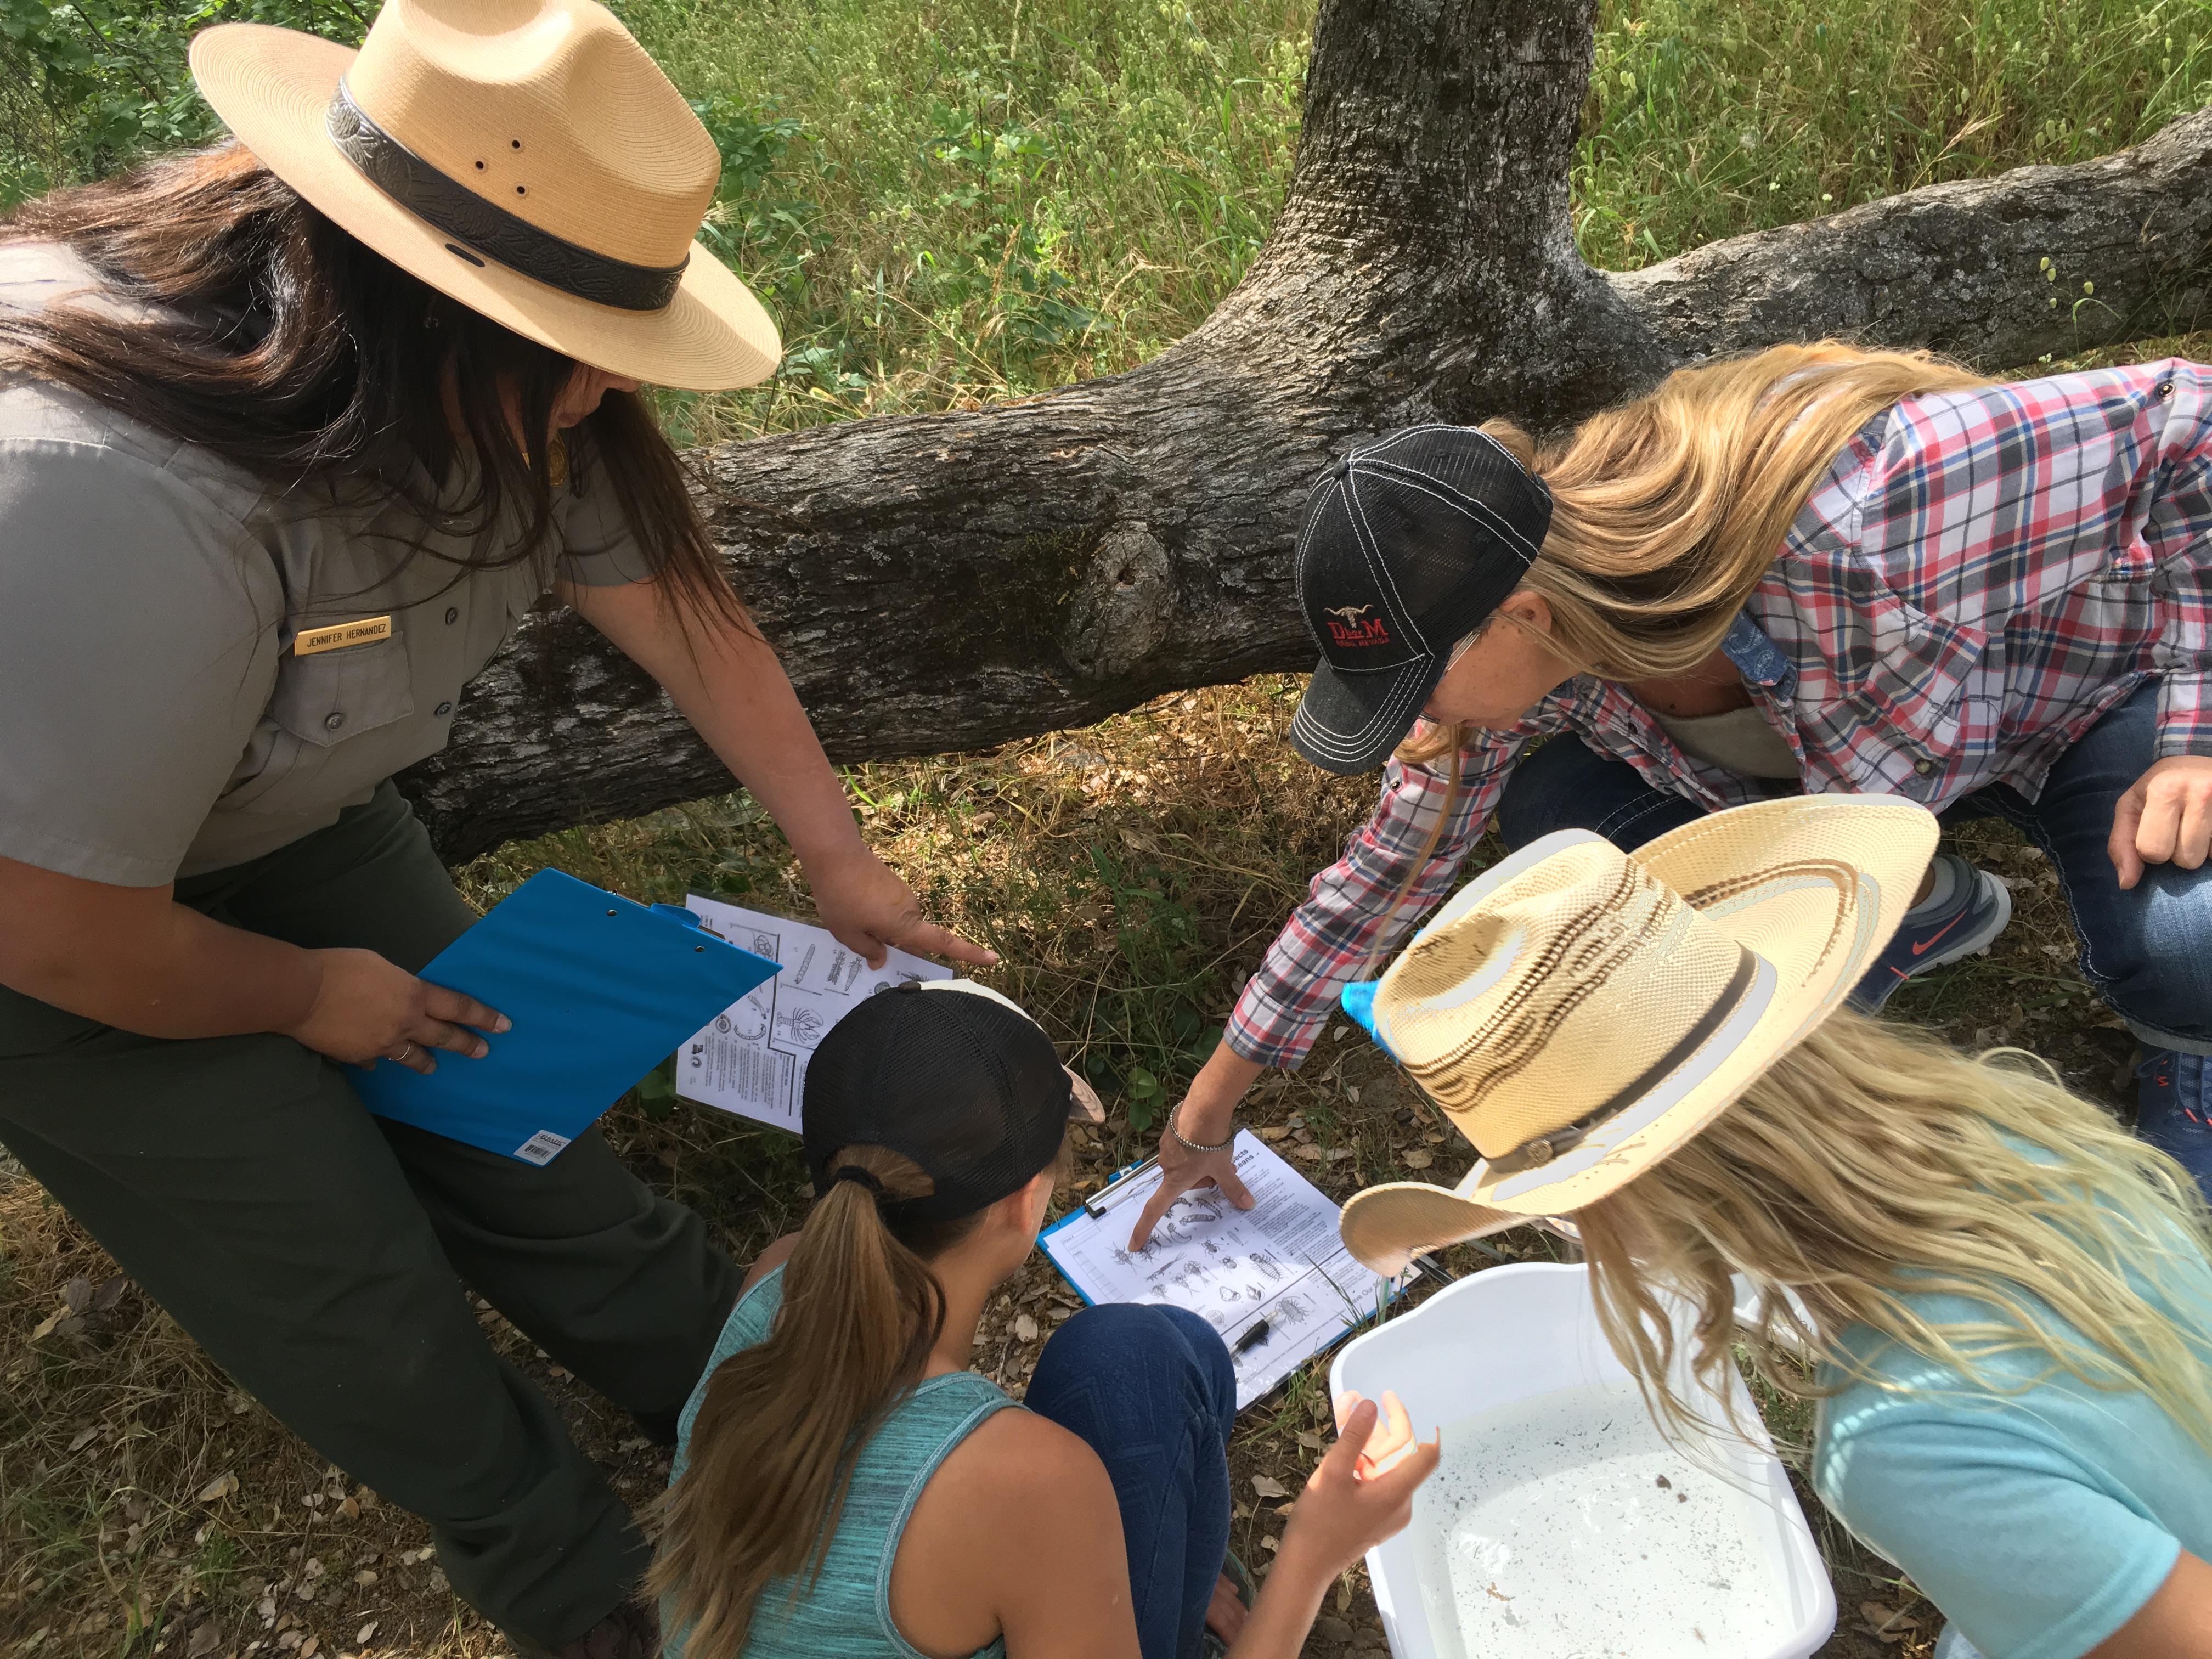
(2176, 1623)
(728, 683)
(134, 958)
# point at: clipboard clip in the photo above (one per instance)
(1104, 1199)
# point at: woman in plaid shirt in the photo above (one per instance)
(1815, 569)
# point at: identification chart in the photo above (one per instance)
(1275, 1280)
(751, 1057)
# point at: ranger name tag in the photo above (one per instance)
(339, 636)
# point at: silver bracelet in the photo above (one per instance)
(1192, 1145)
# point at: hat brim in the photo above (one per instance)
(273, 86)
(1349, 723)
(1814, 887)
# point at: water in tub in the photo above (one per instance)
(1565, 1526)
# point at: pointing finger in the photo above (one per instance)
(927, 938)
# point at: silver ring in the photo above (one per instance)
(405, 1049)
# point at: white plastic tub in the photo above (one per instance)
(1516, 1340)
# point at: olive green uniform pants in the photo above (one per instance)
(319, 1253)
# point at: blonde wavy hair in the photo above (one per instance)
(1666, 510)
(1873, 1162)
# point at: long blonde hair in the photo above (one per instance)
(1874, 1162)
(1667, 511)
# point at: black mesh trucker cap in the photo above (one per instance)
(1409, 543)
(952, 1075)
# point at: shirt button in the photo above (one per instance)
(453, 615)
(332, 722)
(2164, 391)
(443, 709)
(1924, 767)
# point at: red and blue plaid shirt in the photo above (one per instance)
(1977, 578)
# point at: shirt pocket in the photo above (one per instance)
(335, 696)
(319, 736)
(1904, 677)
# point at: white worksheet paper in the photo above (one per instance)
(1281, 1260)
(751, 1057)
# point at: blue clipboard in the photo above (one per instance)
(600, 990)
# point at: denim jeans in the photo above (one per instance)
(2148, 951)
(1152, 1391)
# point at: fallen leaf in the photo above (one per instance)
(1025, 1328)
(1271, 1545)
(45, 1327)
(1344, 1598)
(77, 1293)
(1309, 1152)
(349, 1510)
(1309, 1440)
(1435, 1137)
(1274, 1131)
(1889, 1624)
(207, 1637)
(109, 1293)
(364, 1633)
(365, 1578)
(217, 1489)
(1267, 1486)
(307, 1648)
(1419, 1159)
(1338, 1154)
(83, 1436)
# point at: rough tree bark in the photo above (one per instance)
(954, 581)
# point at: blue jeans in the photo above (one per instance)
(2147, 951)
(1152, 1391)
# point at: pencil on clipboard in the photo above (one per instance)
(1118, 1189)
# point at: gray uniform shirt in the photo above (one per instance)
(159, 722)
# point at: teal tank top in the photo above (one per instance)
(846, 1613)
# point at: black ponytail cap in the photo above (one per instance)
(968, 1087)
(854, 1172)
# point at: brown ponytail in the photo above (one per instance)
(773, 1449)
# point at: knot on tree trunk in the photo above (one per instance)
(1125, 610)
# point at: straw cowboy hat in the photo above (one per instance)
(1579, 1012)
(525, 157)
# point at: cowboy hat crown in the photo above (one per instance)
(1579, 1012)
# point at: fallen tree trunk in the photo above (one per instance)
(952, 581)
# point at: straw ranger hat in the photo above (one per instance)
(526, 157)
(1579, 1012)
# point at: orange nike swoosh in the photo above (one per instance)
(1928, 944)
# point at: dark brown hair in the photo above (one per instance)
(281, 343)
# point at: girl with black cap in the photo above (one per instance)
(845, 1486)
(1818, 570)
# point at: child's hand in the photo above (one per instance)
(1389, 1443)
(1353, 1502)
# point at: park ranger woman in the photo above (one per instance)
(291, 432)
(1816, 570)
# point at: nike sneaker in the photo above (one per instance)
(2172, 1112)
(1968, 909)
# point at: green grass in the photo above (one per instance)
(951, 201)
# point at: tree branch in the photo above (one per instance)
(952, 581)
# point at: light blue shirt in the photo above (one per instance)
(2038, 1523)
